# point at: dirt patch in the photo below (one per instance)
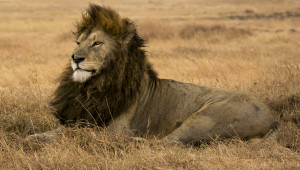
(160, 30)
(191, 31)
(250, 15)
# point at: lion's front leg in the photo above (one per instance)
(49, 136)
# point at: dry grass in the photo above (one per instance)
(236, 44)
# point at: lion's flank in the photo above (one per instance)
(105, 18)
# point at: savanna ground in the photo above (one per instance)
(234, 44)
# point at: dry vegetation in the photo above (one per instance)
(234, 44)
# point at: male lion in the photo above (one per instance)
(110, 83)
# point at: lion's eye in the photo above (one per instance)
(77, 42)
(97, 43)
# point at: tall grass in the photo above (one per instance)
(191, 42)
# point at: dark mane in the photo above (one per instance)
(112, 91)
(105, 18)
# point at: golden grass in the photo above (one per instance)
(241, 45)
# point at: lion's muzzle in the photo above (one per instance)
(77, 60)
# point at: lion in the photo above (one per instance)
(111, 84)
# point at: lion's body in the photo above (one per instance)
(188, 113)
(121, 91)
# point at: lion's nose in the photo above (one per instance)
(77, 60)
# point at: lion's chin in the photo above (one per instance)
(81, 76)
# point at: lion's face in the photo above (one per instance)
(91, 53)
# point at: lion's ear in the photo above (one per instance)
(130, 32)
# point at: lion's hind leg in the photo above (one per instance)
(196, 128)
(226, 119)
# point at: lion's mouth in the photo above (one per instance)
(91, 71)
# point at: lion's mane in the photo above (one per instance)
(113, 89)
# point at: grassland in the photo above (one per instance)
(234, 44)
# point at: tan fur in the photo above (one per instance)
(124, 94)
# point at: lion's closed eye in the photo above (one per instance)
(97, 44)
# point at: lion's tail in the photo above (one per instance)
(270, 137)
(273, 134)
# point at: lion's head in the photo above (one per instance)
(100, 34)
(106, 71)
(91, 53)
